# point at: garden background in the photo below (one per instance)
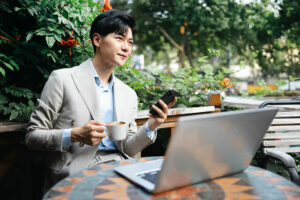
(37, 37)
(203, 37)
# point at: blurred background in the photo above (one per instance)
(238, 47)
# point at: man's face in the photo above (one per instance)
(114, 49)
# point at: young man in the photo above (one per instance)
(77, 102)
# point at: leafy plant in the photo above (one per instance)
(32, 35)
(8, 63)
(17, 103)
(192, 83)
(41, 36)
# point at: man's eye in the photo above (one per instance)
(131, 43)
(119, 38)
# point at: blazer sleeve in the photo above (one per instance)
(40, 133)
(136, 140)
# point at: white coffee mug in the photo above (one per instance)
(117, 130)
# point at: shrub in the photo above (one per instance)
(193, 84)
(36, 37)
(39, 36)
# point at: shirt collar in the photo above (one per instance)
(97, 79)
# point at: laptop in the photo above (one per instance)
(203, 147)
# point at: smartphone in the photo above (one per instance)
(167, 98)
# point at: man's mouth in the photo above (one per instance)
(122, 56)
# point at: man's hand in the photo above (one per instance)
(91, 133)
(155, 121)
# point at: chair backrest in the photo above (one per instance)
(284, 132)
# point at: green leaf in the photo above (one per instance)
(41, 32)
(3, 55)
(58, 38)
(135, 71)
(29, 37)
(293, 78)
(8, 66)
(50, 41)
(2, 71)
(226, 70)
(14, 64)
(13, 115)
(30, 103)
(17, 9)
(193, 99)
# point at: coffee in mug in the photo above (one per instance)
(117, 130)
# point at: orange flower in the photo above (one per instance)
(72, 32)
(18, 37)
(106, 6)
(182, 30)
(69, 43)
(226, 81)
(73, 42)
(230, 86)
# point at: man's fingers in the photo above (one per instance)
(94, 122)
(98, 128)
(170, 105)
(159, 111)
(164, 106)
(95, 134)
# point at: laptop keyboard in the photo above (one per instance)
(150, 176)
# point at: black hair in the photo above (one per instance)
(112, 21)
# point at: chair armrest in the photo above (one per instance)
(288, 160)
(293, 102)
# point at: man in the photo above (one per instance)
(77, 102)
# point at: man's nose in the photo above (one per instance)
(126, 47)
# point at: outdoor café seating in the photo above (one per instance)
(283, 136)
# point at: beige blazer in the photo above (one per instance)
(69, 99)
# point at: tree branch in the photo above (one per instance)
(170, 39)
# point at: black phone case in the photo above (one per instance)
(167, 98)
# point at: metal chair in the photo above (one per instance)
(283, 136)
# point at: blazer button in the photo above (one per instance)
(73, 122)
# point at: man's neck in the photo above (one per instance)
(104, 72)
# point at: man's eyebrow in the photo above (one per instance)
(123, 35)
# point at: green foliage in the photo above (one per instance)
(291, 78)
(262, 32)
(191, 83)
(7, 63)
(30, 47)
(17, 103)
(144, 83)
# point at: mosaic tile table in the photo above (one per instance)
(103, 183)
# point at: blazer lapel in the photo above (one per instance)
(85, 83)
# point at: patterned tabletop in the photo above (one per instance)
(103, 183)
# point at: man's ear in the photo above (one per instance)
(97, 38)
